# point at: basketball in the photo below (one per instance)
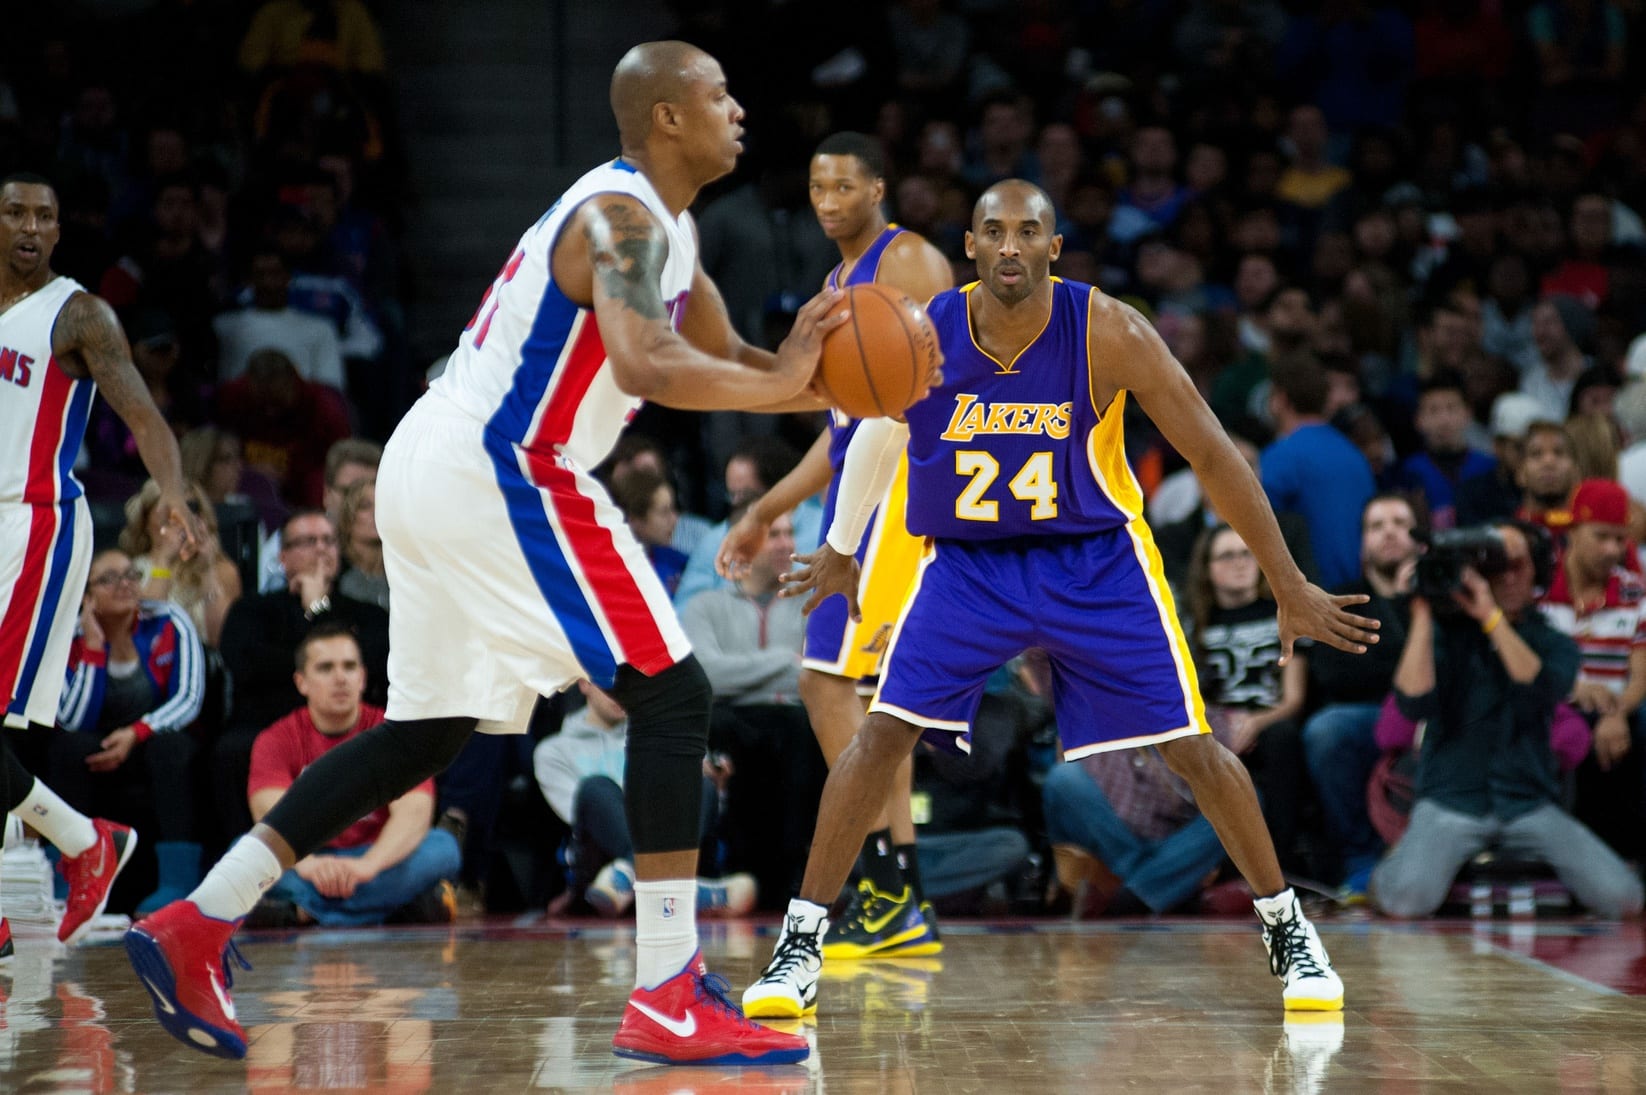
(877, 363)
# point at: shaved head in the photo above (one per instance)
(652, 73)
(1035, 202)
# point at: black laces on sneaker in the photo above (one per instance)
(1290, 950)
(796, 949)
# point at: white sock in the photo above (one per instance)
(1272, 908)
(665, 929)
(239, 879)
(808, 916)
(58, 822)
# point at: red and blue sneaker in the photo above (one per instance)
(91, 875)
(689, 1020)
(182, 957)
(7, 948)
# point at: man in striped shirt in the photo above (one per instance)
(1601, 604)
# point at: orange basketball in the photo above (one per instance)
(875, 364)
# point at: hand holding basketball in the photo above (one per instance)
(883, 359)
(812, 324)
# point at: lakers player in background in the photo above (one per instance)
(59, 346)
(887, 914)
(1017, 472)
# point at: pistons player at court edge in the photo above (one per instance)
(1017, 472)
(59, 346)
(530, 580)
(887, 914)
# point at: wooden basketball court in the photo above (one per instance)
(1021, 1006)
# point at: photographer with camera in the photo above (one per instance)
(1484, 669)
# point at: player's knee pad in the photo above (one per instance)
(668, 733)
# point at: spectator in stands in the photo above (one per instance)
(1596, 444)
(1630, 409)
(262, 634)
(1313, 470)
(1561, 328)
(748, 640)
(1601, 605)
(1486, 674)
(114, 468)
(197, 579)
(755, 467)
(269, 322)
(1310, 180)
(1153, 189)
(580, 772)
(339, 34)
(215, 458)
(1235, 635)
(287, 423)
(1339, 739)
(165, 266)
(1583, 275)
(390, 863)
(1506, 313)
(1445, 460)
(1548, 476)
(136, 681)
(1005, 130)
(365, 579)
(647, 502)
(1285, 325)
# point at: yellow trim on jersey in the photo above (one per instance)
(929, 547)
(1006, 368)
(889, 567)
(1106, 454)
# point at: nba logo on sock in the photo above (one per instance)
(668, 908)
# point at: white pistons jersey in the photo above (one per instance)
(530, 364)
(43, 410)
(513, 573)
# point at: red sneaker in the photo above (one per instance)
(688, 1020)
(7, 949)
(91, 874)
(182, 957)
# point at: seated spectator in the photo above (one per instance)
(1339, 740)
(1630, 409)
(365, 579)
(348, 462)
(390, 862)
(1548, 476)
(1487, 673)
(215, 458)
(1497, 494)
(1445, 460)
(1561, 328)
(114, 468)
(1235, 635)
(1310, 181)
(268, 322)
(1601, 605)
(262, 634)
(580, 772)
(197, 579)
(647, 502)
(1313, 470)
(287, 423)
(136, 681)
(748, 641)
(757, 465)
(339, 34)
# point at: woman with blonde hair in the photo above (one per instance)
(362, 547)
(199, 579)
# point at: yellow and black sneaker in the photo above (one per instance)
(881, 926)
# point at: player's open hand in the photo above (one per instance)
(800, 349)
(742, 542)
(1315, 614)
(824, 573)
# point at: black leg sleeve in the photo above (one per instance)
(668, 734)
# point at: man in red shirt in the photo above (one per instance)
(287, 423)
(388, 862)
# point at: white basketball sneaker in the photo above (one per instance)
(1297, 956)
(787, 988)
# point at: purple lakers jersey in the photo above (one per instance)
(1017, 448)
(863, 272)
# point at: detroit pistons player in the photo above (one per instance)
(514, 574)
(59, 346)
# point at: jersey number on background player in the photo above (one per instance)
(1033, 482)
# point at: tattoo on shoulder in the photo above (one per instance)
(627, 249)
(89, 335)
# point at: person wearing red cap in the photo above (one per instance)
(1601, 604)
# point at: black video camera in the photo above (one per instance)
(1440, 568)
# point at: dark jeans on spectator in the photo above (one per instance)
(160, 770)
(475, 782)
(600, 829)
(1340, 743)
(1613, 803)
(958, 863)
(771, 800)
(435, 858)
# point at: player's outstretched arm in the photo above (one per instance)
(1126, 352)
(88, 332)
(617, 248)
(745, 538)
